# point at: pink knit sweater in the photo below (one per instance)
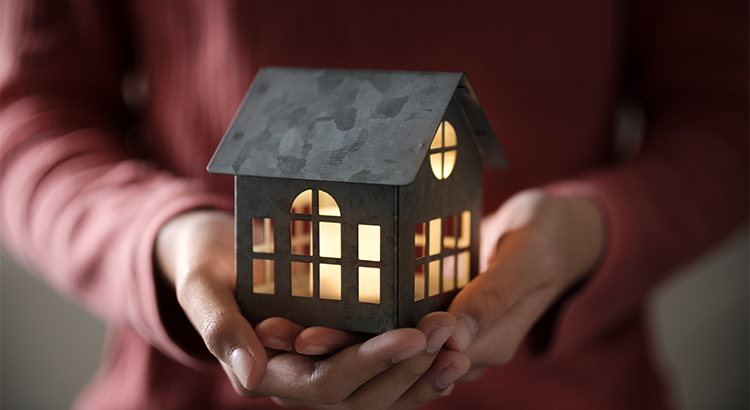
(88, 177)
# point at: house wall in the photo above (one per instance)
(428, 198)
(358, 204)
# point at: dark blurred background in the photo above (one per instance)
(50, 348)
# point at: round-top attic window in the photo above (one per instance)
(443, 151)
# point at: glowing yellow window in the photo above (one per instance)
(443, 151)
(369, 243)
(369, 285)
(263, 235)
(419, 282)
(263, 276)
(433, 284)
(464, 269)
(435, 234)
(330, 281)
(308, 216)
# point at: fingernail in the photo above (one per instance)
(405, 354)
(437, 338)
(278, 344)
(316, 350)
(466, 330)
(242, 363)
(447, 377)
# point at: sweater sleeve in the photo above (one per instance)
(76, 207)
(688, 187)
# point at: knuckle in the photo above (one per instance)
(331, 399)
(323, 389)
(413, 372)
(215, 331)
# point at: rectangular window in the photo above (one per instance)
(449, 273)
(330, 239)
(420, 240)
(449, 240)
(369, 243)
(330, 281)
(435, 235)
(369, 285)
(434, 279)
(463, 272)
(263, 235)
(302, 238)
(464, 238)
(263, 276)
(302, 283)
(419, 282)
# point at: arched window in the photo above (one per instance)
(316, 245)
(443, 151)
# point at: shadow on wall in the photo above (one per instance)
(700, 323)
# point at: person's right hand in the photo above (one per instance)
(403, 368)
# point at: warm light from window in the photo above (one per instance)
(434, 279)
(263, 235)
(435, 236)
(330, 281)
(369, 285)
(263, 276)
(464, 238)
(327, 205)
(369, 243)
(442, 151)
(420, 241)
(449, 273)
(301, 237)
(303, 203)
(419, 283)
(464, 269)
(330, 239)
(302, 283)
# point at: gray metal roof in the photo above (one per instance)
(345, 125)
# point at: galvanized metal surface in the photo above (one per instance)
(363, 137)
(359, 204)
(428, 198)
(371, 127)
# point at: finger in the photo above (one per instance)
(322, 340)
(210, 305)
(447, 368)
(278, 333)
(332, 380)
(386, 388)
(488, 297)
(495, 343)
(472, 374)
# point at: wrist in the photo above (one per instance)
(587, 235)
(175, 232)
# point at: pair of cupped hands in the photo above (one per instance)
(533, 248)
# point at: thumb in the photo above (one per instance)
(485, 300)
(195, 251)
(228, 335)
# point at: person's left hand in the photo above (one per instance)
(537, 246)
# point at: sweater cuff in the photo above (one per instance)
(595, 304)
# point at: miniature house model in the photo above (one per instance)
(358, 194)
